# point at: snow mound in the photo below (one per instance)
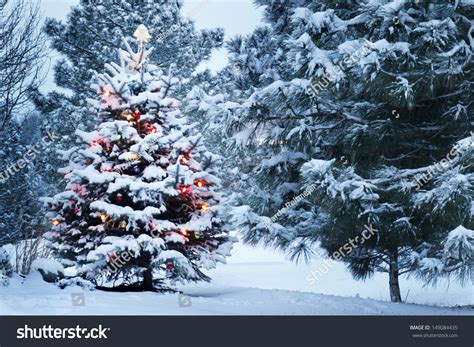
(47, 265)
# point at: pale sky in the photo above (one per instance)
(235, 16)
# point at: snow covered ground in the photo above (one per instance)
(255, 282)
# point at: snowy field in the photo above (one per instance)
(254, 282)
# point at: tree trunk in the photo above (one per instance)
(395, 295)
(147, 280)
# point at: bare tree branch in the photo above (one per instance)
(22, 52)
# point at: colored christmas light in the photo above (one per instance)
(108, 148)
(131, 156)
(119, 197)
(95, 143)
(123, 225)
(204, 207)
(119, 136)
(197, 235)
(200, 183)
(169, 266)
(184, 159)
(184, 189)
(184, 231)
(137, 114)
(128, 115)
(55, 222)
(104, 217)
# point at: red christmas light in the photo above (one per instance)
(119, 197)
(169, 266)
(184, 231)
(150, 128)
(184, 189)
(200, 183)
(95, 143)
(184, 159)
(137, 114)
(72, 202)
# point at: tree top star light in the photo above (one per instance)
(141, 34)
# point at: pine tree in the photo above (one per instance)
(215, 103)
(348, 107)
(140, 209)
(93, 32)
(91, 36)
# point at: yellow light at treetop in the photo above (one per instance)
(142, 34)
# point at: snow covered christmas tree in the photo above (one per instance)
(140, 209)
